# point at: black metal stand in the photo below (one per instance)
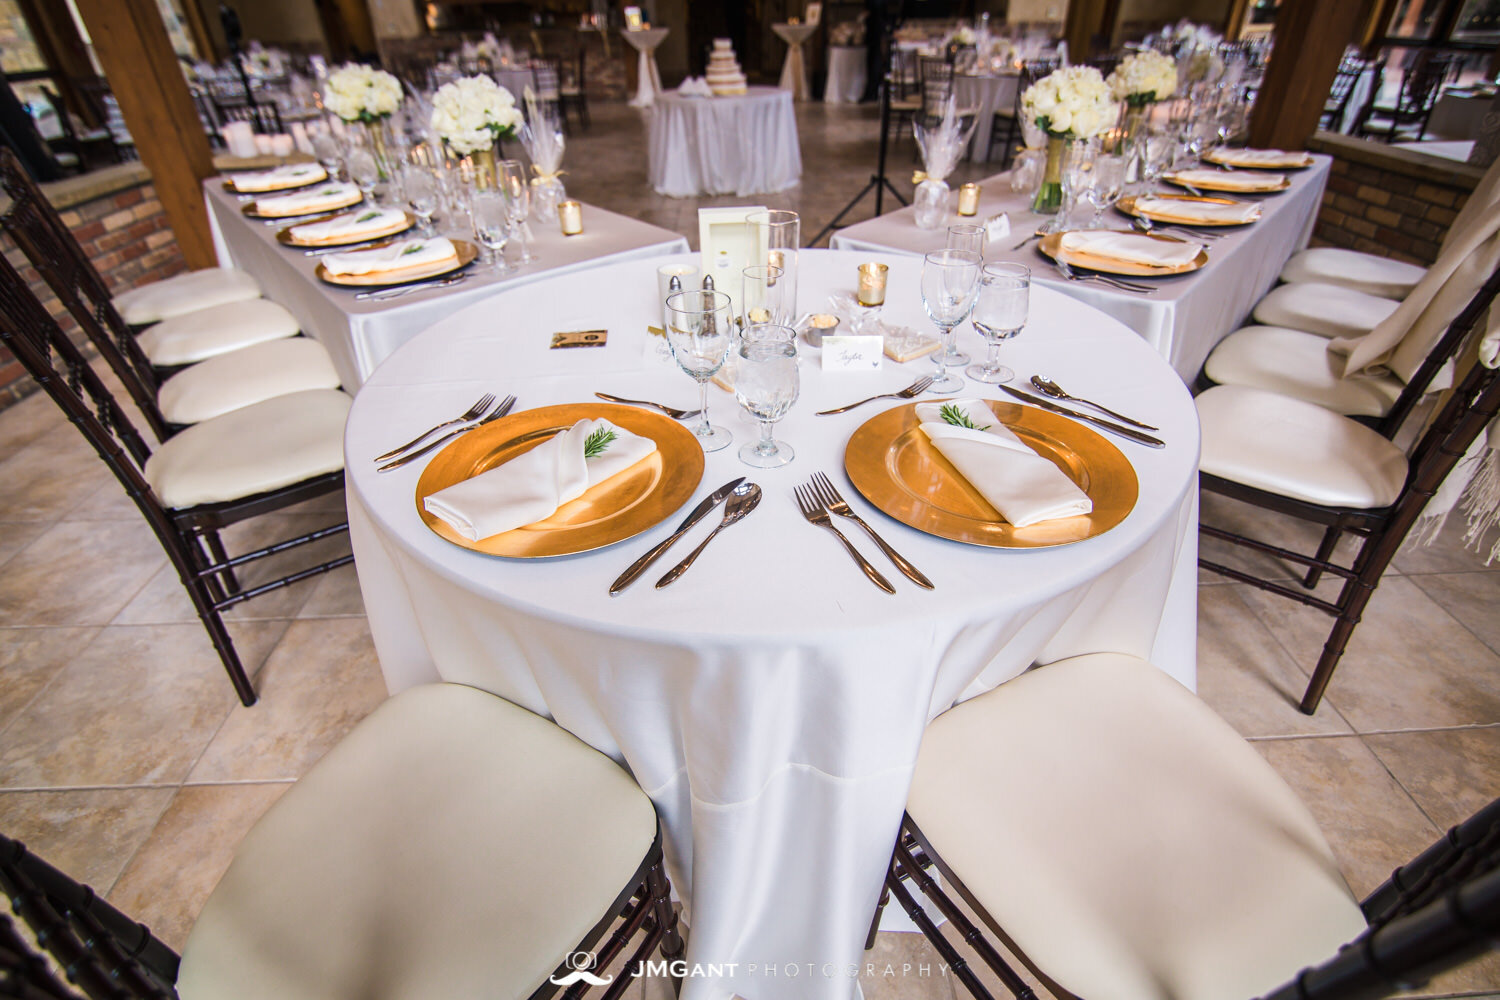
(877, 182)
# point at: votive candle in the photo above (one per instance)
(570, 215)
(872, 284)
(968, 199)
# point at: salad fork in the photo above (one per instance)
(915, 389)
(495, 414)
(472, 413)
(836, 504)
(670, 411)
(1126, 286)
(817, 514)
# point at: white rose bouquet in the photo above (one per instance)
(359, 93)
(1071, 103)
(1144, 77)
(470, 114)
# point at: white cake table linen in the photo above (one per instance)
(772, 702)
(648, 76)
(847, 73)
(739, 145)
(1189, 313)
(794, 69)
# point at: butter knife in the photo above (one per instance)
(1108, 425)
(699, 512)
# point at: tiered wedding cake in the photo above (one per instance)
(724, 76)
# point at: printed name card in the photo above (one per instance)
(852, 353)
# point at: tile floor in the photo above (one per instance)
(126, 760)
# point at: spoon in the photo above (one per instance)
(1056, 391)
(741, 502)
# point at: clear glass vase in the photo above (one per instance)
(931, 204)
(1049, 197)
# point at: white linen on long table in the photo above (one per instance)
(360, 334)
(847, 72)
(771, 702)
(738, 145)
(986, 95)
(1189, 313)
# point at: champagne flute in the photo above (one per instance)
(700, 332)
(763, 296)
(511, 175)
(491, 213)
(365, 172)
(949, 281)
(1107, 186)
(999, 314)
(766, 385)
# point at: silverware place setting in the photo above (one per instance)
(816, 513)
(698, 513)
(742, 500)
(1145, 225)
(470, 419)
(396, 293)
(1064, 269)
(1044, 403)
(670, 411)
(910, 392)
(835, 503)
(1056, 391)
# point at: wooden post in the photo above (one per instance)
(1310, 39)
(58, 39)
(132, 45)
(1087, 21)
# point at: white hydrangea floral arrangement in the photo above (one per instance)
(1072, 102)
(470, 114)
(358, 93)
(1143, 77)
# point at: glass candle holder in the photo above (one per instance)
(570, 216)
(968, 199)
(872, 284)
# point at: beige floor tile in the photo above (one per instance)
(78, 573)
(16, 535)
(1446, 554)
(335, 595)
(50, 477)
(1471, 598)
(26, 421)
(171, 875)
(89, 834)
(109, 502)
(1450, 773)
(905, 966)
(1263, 525)
(320, 681)
(30, 658)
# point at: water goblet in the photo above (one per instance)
(949, 281)
(766, 385)
(763, 297)
(365, 172)
(966, 238)
(326, 149)
(999, 314)
(422, 195)
(1107, 186)
(491, 214)
(700, 332)
(511, 175)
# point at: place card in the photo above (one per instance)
(851, 353)
(580, 338)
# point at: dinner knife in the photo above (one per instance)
(1108, 425)
(699, 512)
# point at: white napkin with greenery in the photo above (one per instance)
(290, 175)
(1130, 248)
(1022, 485)
(319, 199)
(1201, 211)
(1259, 181)
(398, 256)
(532, 486)
(350, 225)
(1259, 157)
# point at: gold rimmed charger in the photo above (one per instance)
(1231, 158)
(895, 467)
(1127, 205)
(464, 254)
(1266, 186)
(285, 237)
(353, 198)
(232, 188)
(1051, 245)
(618, 508)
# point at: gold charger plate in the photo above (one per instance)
(1292, 161)
(1127, 205)
(466, 252)
(285, 237)
(253, 211)
(1212, 185)
(230, 186)
(895, 467)
(616, 509)
(1051, 245)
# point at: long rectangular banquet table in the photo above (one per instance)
(772, 701)
(361, 334)
(1189, 313)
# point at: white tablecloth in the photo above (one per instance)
(986, 94)
(847, 73)
(360, 335)
(1448, 149)
(648, 83)
(1190, 313)
(737, 145)
(1458, 115)
(772, 701)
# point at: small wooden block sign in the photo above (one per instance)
(580, 338)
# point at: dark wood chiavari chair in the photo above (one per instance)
(1421, 84)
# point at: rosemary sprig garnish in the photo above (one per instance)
(368, 216)
(414, 248)
(958, 418)
(598, 442)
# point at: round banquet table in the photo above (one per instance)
(739, 145)
(846, 74)
(772, 701)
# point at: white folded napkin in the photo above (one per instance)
(1203, 211)
(1259, 157)
(350, 225)
(319, 199)
(1130, 248)
(695, 86)
(1022, 485)
(287, 176)
(1226, 179)
(398, 256)
(532, 486)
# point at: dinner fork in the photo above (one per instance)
(817, 514)
(1126, 286)
(1145, 225)
(472, 413)
(495, 414)
(915, 389)
(836, 504)
(670, 411)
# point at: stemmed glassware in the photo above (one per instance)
(966, 238)
(364, 171)
(766, 385)
(422, 195)
(949, 281)
(700, 331)
(511, 175)
(763, 296)
(491, 212)
(1107, 185)
(326, 149)
(999, 314)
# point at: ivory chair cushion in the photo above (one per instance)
(261, 447)
(185, 293)
(1322, 308)
(1362, 272)
(452, 845)
(197, 336)
(1295, 363)
(1296, 449)
(238, 379)
(1126, 838)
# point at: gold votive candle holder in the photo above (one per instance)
(968, 199)
(872, 284)
(775, 258)
(570, 215)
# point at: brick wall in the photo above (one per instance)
(115, 215)
(1387, 201)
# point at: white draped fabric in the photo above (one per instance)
(360, 334)
(1189, 313)
(985, 94)
(847, 73)
(771, 702)
(794, 69)
(648, 77)
(739, 145)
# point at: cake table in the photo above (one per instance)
(645, 41)
(794, 70)
(723, 75)
(740, 145)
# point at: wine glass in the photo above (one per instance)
(364, 171)
(1108, 183)
(966, 238)
(491, 211)
(766, 385)
(326, 149)
(999, 314)
(763, 298)
(949, 280)
(511, 175)
(700, 332)
(422, 196)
